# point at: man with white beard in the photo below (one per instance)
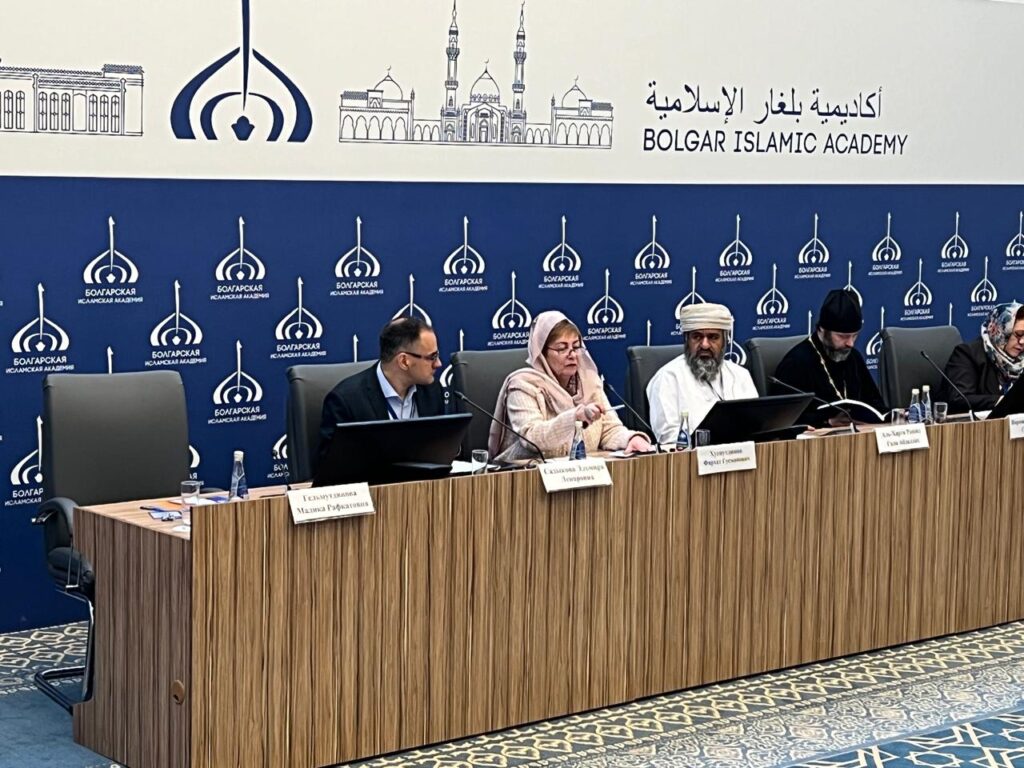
(701, 376)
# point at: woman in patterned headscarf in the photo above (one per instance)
(987, 367)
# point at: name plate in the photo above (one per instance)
(909, 437)
(730, 457)
(571, 475)
(1016, 423)
(312, 505)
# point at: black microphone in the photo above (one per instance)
(951, 383)
(494, 418)
(637, 416)
(791, 388)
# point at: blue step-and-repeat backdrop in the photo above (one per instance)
(276, 190)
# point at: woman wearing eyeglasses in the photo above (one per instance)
(559, 387)
(986, 368)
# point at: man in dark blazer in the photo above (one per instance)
(400, 386)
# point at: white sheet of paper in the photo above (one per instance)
(905, 437)
(1016, 423)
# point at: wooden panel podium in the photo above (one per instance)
(474, 604)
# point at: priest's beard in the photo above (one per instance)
(834, 353)
(704, 369)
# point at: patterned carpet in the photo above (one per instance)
(957, 701)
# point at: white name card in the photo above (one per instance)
(571, 475)
(1016, 426)
(315, 504)
(909, 437)
(730, 457)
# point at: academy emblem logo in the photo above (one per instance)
(985, 292)
(29, 470)
(814, 252)
(280, 450)
(241, 265)
(919, 294)
(1015, 248)
(40, 335)
(652, 261)
(887, 250)
(111, 266)
(261, 100)
(412, 309)
(736, 254)
(239, 387)
(177, 329)
(513, 314)
(299, 324)
(606, 310)
(849, 283)
(446, 374)
(692, 297)
(193, 457)
(955, 248)
(465, 260)
(358, 263)
(563, 257)
(735, 353)
(874, 347)
(773, 307)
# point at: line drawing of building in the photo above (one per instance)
(383, 113)
(105, 102)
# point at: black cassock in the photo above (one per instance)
(808, 367)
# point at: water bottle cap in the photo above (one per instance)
(915, 391)
(926, 388)
(239, 455)
(579, 424)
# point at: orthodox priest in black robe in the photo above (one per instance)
(827, 364)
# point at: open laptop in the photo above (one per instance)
(393, 451)
(760, 419)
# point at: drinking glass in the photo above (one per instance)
(897, 416)
(479, 459)
(189, 498)
(941, 412)
(701, 437)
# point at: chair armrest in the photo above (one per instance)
(57, 515)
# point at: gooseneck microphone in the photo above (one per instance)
(951, 383)
(492, 417)
(791, 388)
(643, 422)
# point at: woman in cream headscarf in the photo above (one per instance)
(984, 369)
(560, 386)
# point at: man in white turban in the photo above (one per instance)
(701, 376)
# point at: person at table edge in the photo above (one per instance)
(400, 386)
(827, 364)
(986, 368)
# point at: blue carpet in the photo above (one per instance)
(957, 701)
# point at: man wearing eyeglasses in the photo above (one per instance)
(701, 376)
(400, 386)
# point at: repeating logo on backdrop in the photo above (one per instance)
(651, 263)
(873, 350)
(984, 296)
(693, 297)
(813, 258)
(735, 263)
(562, 265)
(176, 339)
(193, 462)
(1015, 248)
(260, 99)
(110, 278)
(773, 307)
(358, 270)
(279, 458)
(917, 301)
(412, 309)
(510, 323)
(298, 333)
(237, 398)
(605, 316)
(954, 252)
(240, 273)
(886, 256)
(464, 268)
(40, 346)
(27, 475)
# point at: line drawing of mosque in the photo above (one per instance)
(107, 102)
(384, 114)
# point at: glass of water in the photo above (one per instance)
(941, 412)
(897, 416)
(189, 498)
(479, 459)
(701, 437)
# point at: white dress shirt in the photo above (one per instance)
(397, 407)
(675, 389)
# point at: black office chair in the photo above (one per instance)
(643, 363)
(308, 385)
(901, 367)
(106, 438)
(764, 354)
(479, 376)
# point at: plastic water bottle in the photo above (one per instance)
(915, 414)
(577, 448)
(926, 405)
(683, 438)
(239, 488)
